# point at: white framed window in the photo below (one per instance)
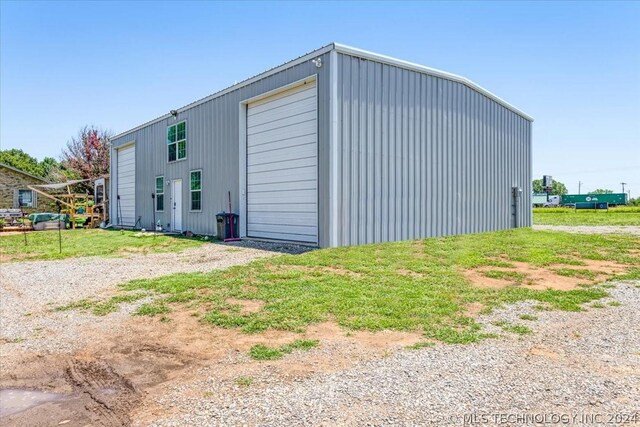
(26, 199)
(195, 190)
(177, 141)
(160, 194)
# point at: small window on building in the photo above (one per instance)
(177, 141)
(160, 193)
(195, 187)
(25, 198)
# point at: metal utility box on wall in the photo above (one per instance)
(337, 147)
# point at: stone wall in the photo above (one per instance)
(10, 181)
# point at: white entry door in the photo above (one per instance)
(282, 165)
(176, 205)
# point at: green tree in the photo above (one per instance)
(557, 188)
(600, 191)
(49, 168)
(23, 161)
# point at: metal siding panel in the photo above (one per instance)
(422, 161)
(386, 91)
(410, 171)
(213, 146)
(431, 155)
(369, 204)
(345, 147)
(397, 155)
(377, 138)
(441, 196)
(440, 158)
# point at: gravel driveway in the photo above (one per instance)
(574, 363)
(29, 290)
(592, 229)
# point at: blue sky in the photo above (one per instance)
(575, 67)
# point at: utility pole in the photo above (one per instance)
(623, 184)
(579, 186)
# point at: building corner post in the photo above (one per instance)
(333, 148)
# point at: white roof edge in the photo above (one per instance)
(348, 50)
(428, 70)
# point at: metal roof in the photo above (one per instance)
(348, 50)
(427, 70)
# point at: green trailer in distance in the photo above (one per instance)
(613, 199)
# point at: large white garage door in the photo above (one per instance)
(282, 166)
(126, 182)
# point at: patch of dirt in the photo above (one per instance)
(320, 269)
(544, 352)
(409, 273)
(248, 306)
(478, 279)
(544, 278)
(120, 374)
(203, 258)
(132, 250)
(94, 392)
(604, 267)
(17, 256)
(105, 381)
(331, 332)
(7, 232)
(473, 309)
(249, 288)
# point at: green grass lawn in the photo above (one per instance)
(78, 243)
(567, 216)
(414, 285)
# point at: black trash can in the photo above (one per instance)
(223, 225)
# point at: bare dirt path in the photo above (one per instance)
(591, 229)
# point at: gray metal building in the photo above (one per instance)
(337, 147)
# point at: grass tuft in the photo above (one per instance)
(516, 329)
(263, 352)
(579, 273)
(152, 309)
(244, 381)
(102, 308)
(420, 345)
